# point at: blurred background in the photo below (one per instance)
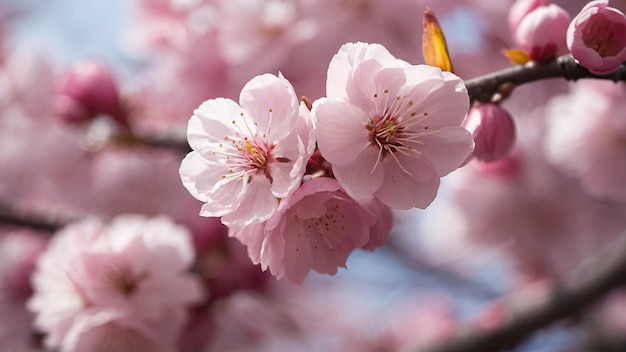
(498, 234)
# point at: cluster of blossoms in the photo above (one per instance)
(303, 189)
(596, 38)
(121, 287)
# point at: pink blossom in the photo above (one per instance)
(588, 141)
(131, 271)
(390, 129)
(493, 131)
(541, 33)
(316, 228)
(596, 37)
(248, 155)
(87, 89)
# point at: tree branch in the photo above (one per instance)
(605, 271)
(484, 87)
(10, 215)
(167, 141)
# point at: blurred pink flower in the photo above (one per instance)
(588, 140)
(261, 32)
(247, 156)
(596, 37)
(493, 131)
(316, 228)
(391, 129)
(87, 89)
(130, 271)
(541, 33)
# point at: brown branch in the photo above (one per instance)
(167, 141)
(12, 216)
(484, 87)
(605, 271)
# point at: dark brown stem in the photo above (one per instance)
(484, 87)
(170, 141)
(606, 270)
(12, 216)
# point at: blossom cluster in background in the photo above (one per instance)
(316, 132)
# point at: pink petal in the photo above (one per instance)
(297, 146)
(403, 191)
(298, 259)
(257, 205)
(445, 99)
(447, 149)
(273, 252)
(252, 236)
(272, 103)
(373, 89)
(361, 179)
(201, 176)
(340, 131)
(342, 63)
(325, 261)
(211, 122)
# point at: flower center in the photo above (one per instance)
(604, 36)
(124, 280)
(396, 128)
(256, 156)
(383, 133)
(246, 157)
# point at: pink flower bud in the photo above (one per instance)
(597, 37)
(85, 90)
(520, 9)
(541, 33)
(493, 131)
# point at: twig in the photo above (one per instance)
(484, 87)
(167, 141)
(10, 215)
(605, 271)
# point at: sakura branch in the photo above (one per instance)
(10, 215)
(484, 88)
(604, 272)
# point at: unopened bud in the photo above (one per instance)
(520, 9)
(541, 33)
(87, 89)
(493, 131)
(596, 37)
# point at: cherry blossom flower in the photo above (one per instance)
(87, 89)
(131, 273)
(391, 129)
(315, 228)
(246, 156)
(596, 37)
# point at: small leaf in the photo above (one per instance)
(434, 44)
(516, 56)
